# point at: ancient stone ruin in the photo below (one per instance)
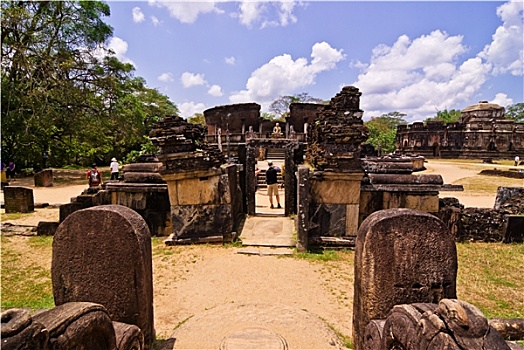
(481, 132)
(200, 186)
(502, 223)
(205, 198)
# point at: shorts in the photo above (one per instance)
(272, 189)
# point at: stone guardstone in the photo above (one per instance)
(253, 338)
(402, 256)
(103, 255)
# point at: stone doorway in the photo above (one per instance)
(293, 154)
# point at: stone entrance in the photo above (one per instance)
(293, 153)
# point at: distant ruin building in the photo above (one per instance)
(482, 132)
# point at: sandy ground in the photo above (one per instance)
(457, 173)
(225, 291)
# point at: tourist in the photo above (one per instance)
(10, 171)
(114, 169)
(272, 184)
(94, 176)
(517, 160)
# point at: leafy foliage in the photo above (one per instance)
(446, 116)
(383, 130)
(63, 93)
(515, 112)
(280, 107)
(197, 118)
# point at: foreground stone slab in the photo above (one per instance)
(401, 256)
(103, 255)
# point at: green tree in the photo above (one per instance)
(515, 112)
(280, 107)
(383, 130)
(446, 116)
(46, 56)
(197, 118)
(63, 93)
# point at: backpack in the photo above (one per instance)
(94, 177)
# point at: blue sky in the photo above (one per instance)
(412, 57)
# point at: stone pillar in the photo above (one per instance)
(336, 197)
(302, 221)
(294, 153)
(250, 179)
(402, 256)
(18, 199)
(103, 255)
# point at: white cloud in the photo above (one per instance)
(155, 21)
(268, 14)
(215, 90)
(420, 76)
(138, 16)
(286, 13)
(230, 60)
(282, 75)
(506, 52)
(190, 79)
(119, 47)
(185, 11)
(250, 12)
(166, 77)
(188, 109)
(502, 100)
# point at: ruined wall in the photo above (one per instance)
(247, 114)
(482, 224)
(300, 113)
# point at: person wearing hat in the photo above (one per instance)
(94, 176)
(114, 169)
(272, 183)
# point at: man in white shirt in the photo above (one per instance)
(114, 169)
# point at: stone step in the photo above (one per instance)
(265, 251)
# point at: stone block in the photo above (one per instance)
(47, 228)
(196, 221)
(194, 191)
(370, 202)
(44, 178)
(103, 255)
(18, 199)
(328, 220)
(422, 202)
(335, 191)
(352, 211)
(425, 203)
(402, 256)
